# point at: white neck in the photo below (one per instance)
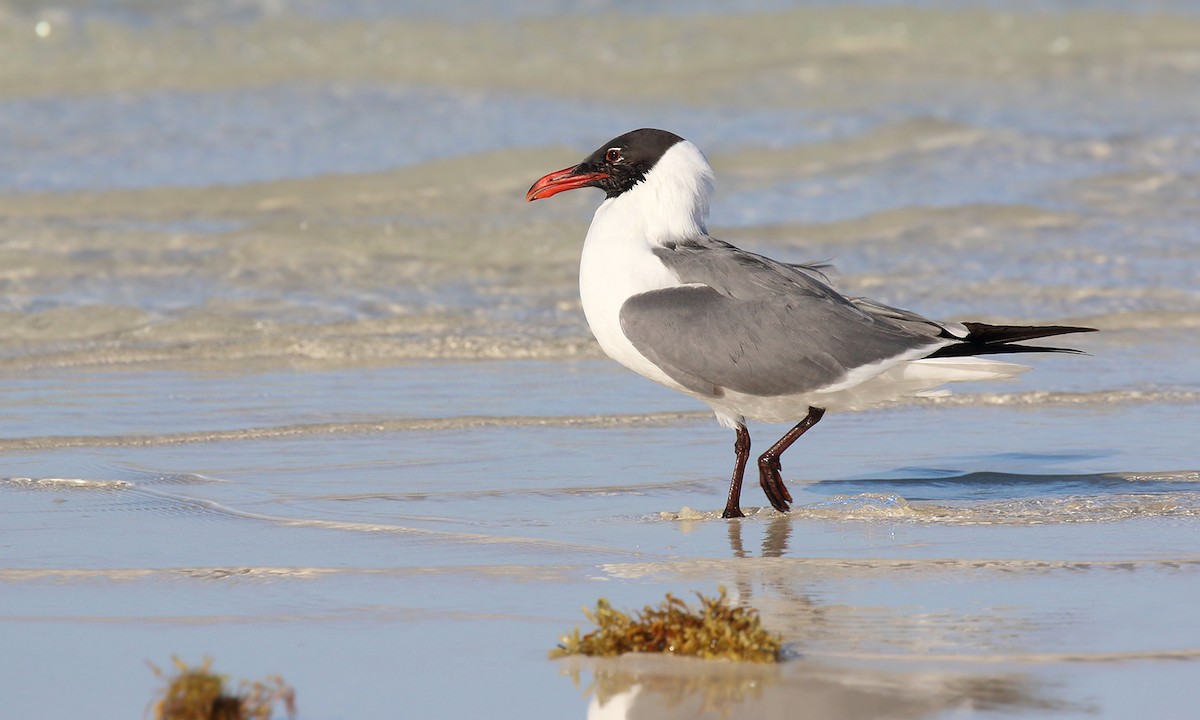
(671, 203)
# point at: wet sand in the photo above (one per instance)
(931, 564)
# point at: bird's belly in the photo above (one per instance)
(907, 379)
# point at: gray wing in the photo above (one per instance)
(747, 323)
(910, 320)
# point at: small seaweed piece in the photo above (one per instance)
(716, 629)
(196, 693)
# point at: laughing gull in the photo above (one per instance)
(750, 336)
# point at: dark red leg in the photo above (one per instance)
(769, 466)
(741, 451)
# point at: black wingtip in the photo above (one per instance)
(971, 350)
(985, 334)
(985, 339)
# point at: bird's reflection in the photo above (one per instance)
(783, 588)
(652, 686)
(775, 540)
(634, 687)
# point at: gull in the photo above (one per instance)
(753, 338)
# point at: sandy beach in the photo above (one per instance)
(292, 377)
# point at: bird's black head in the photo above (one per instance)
(615, 167)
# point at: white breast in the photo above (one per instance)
(618, 259)
(614, 267)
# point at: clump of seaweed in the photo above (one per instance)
(716, 629)
(196, 693)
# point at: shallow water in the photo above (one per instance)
(292, 376)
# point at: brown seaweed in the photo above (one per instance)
(715, 629)
(196, 693)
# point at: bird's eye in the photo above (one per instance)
(613, 155)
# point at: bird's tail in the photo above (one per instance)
(984, 339)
